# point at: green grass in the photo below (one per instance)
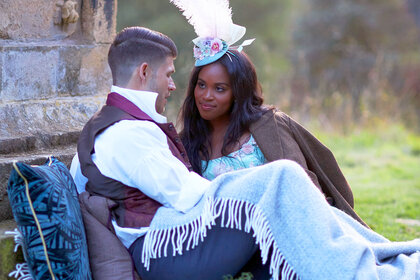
(382, 166)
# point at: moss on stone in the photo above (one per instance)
(8, 258)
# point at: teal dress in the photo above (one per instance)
(249, 155)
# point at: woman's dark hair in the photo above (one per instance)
(245, 110)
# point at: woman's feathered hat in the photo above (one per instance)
(212, 22)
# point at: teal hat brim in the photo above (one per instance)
(210, 59)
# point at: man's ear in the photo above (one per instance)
(143, 71)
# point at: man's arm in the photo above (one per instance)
(79, 179)
(136, 153)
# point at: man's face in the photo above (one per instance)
(161, 82)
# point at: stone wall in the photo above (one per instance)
(53, 76)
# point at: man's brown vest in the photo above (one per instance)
(134, 209)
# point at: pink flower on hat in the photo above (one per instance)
(216, 46)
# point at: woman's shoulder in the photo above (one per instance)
(271, 115)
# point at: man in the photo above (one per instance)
(178, 225)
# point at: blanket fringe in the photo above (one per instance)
(17, 237)
(21, 271)
(231, 213)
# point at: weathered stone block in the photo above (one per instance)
(33, 71)
(29, 73)
(99, 20)
(35, 20)
(83, 70)
(47, 117)
(69, 70)
(1, 73)
(95, 75)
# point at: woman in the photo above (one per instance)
(226, 127)
(223, 116)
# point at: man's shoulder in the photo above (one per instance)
(108, 115)
(125, 128)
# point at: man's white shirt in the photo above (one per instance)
(137, 154)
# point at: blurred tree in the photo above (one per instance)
(335, 39)
(340, 43)
(414, 8)
(269, 21)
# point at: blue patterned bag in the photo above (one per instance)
(47, 211)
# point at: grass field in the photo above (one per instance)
(382, 166)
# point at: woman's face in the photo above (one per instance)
(213, 93)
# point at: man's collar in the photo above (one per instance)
(145, 100)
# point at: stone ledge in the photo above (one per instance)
(5, 210)
(40, 117)
(39, 141)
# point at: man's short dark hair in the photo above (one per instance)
(134, 46)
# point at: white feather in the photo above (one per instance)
(211, 18)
